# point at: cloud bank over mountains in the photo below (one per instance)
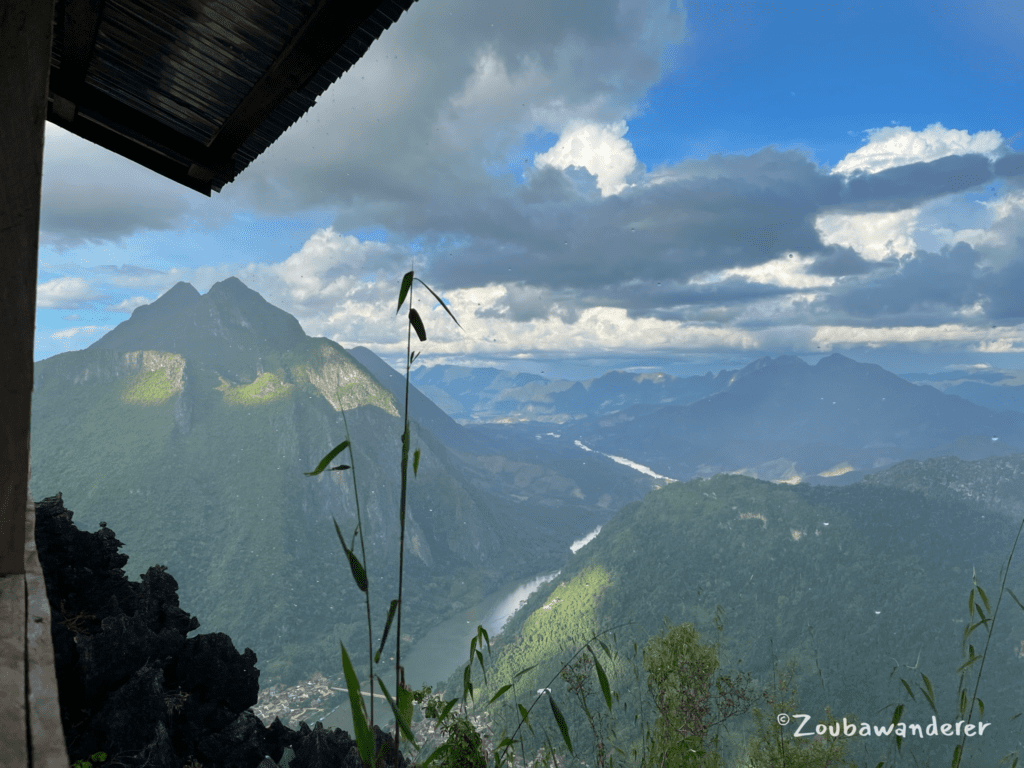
(492, 149)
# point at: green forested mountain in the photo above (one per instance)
(187, 430)
(858, 585)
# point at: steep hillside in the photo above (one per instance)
(858, 585)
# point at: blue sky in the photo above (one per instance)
(680, 186)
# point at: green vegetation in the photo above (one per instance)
(99, 757)
(238, 526)
(157, 382)
(266, 388)
(862, 587)
(776, 555)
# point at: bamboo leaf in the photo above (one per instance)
(387, 628)
(363, 738)
(522, 672)
(602, 678)
(404, 290)
(561, 723)
(905, 685)
(500, 693)
(358, 571)
(447, 708)
(984, 599)
(416, 463)
(968, 663)
(399, 717)
(417, 324)
(443, 305)
(327, 459)
(981, 709)
(970, 603)
(405, 703)
(929, 694)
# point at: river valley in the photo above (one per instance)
(430, 660)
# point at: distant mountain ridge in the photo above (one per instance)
(476, 395)
(783, 419)
(777, 418)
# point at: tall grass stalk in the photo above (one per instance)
(401, 704)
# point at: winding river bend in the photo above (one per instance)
(442, 650)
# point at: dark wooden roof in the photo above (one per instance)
(196, 89)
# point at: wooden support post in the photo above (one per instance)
(30, 727)
(26, 28)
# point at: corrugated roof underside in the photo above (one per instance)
(297, 103)
(189, 63)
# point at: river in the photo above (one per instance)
(445, 647)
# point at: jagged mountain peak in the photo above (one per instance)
(229, 321)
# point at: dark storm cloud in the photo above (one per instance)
(699, 220)
(929, 285)
(1010, 168)
(906, 186)
(522, 303)
(837, 261)
(1005, 290)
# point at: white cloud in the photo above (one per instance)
(875, 236)
(66, 293)
(899, 145)
(601, 149)
(69, 333)
(129, 305)
(987, 340)
(880, 236)
(788, 272)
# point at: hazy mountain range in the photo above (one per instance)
(776, 419)
(189, 426)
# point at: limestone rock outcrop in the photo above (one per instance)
(132, 684)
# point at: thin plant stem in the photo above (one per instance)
(362, 545)
(399, 681)
(991, 628)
